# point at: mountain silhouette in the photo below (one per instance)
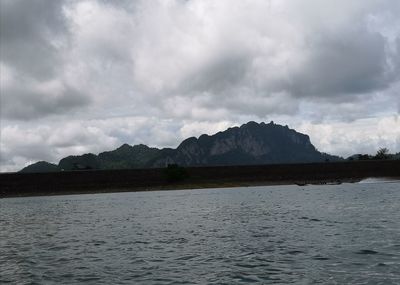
(250, 144)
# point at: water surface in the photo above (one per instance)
(342, 234)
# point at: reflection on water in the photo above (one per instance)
(342, 234)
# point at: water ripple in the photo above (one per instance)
(344, 234)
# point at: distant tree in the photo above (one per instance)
(364, 157)
(382, 153)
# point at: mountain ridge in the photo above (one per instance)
(250, 144)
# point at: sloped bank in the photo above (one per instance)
(97, 181)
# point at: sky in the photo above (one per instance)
(88, 76)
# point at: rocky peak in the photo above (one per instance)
(251, 143)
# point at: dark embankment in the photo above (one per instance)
(90, 181)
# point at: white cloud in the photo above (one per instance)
(20, 145)
(360, 136)
(154, 72)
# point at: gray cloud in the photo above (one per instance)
(31, 35)
(345, 64)
(33, 42)
(192, 64)
(221, 76)
(36, 102)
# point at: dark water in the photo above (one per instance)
(346, 234)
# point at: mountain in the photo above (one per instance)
(251, 143)
(80, 162)
(127, 156)
(41, 166)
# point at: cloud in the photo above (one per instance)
(33, 43)
(149, 53)
(24, 144)
(31, 36)
(26, 98)
(343, 65)
(361, 136)
(152, 71)
(21, 146)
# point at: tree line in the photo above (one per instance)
(382, 154)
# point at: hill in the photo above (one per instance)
(41, 166)
(250, 144)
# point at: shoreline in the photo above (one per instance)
(215, 185)
(143, 180)
(171, 187)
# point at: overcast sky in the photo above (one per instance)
(87, 76)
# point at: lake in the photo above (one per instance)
(332, 234)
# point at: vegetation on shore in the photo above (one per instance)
(381, 154)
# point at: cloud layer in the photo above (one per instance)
(79, 76)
